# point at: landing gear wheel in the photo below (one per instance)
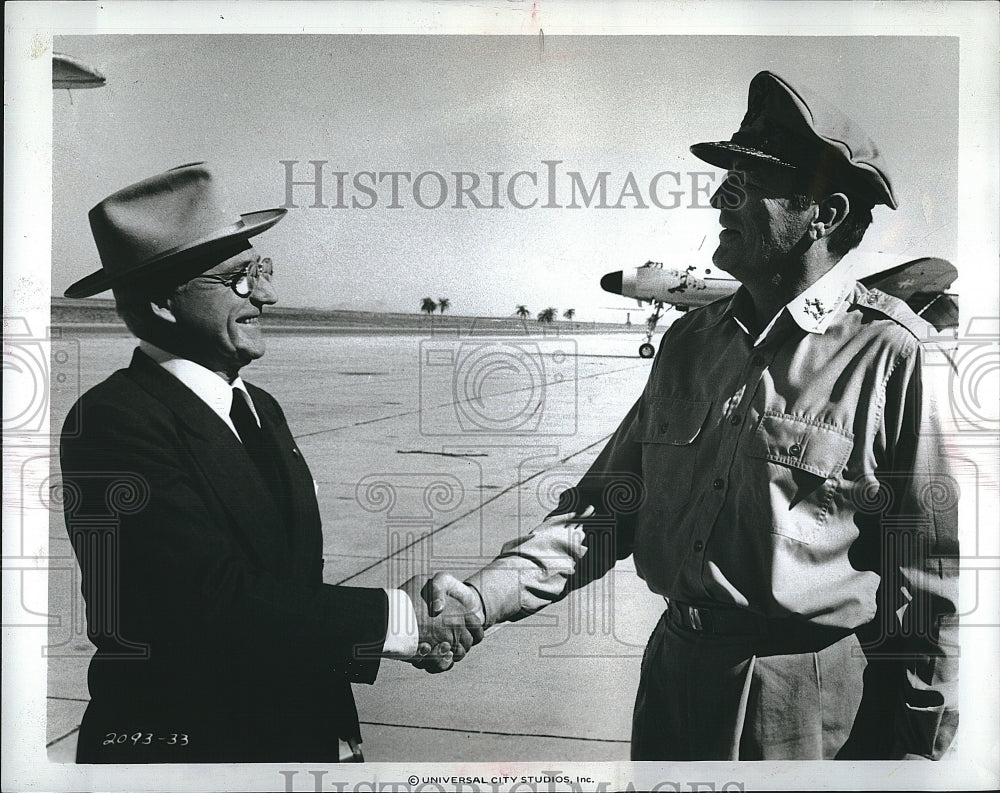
(647, 350)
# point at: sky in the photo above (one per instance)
(504, 104)
(500, 104)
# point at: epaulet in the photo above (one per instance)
(896, 310)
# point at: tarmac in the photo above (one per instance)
(429, 452)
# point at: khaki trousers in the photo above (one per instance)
(781, 696)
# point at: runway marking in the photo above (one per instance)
(442, 454)
(377, 419)
(490, 500)
(496, 732)
(50, 744)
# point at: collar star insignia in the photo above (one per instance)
(814, 308)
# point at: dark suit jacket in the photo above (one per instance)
(217, 640)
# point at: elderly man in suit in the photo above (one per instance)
(217, 640)
(780, 481)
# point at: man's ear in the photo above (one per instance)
(163, 307)
(830, 213)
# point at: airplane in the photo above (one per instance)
(68, 72)
(921, 283)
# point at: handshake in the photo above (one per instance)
(450, 620)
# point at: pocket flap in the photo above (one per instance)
(816, 447)
(673, 421)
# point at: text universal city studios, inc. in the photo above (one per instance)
(317, 781)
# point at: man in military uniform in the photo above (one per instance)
(780, 481)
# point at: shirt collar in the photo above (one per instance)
(206, 384)
(813, 310)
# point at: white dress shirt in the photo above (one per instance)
(402, 637)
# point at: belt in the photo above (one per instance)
(777, 635)
(718, 620)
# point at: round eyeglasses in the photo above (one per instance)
(244, 282)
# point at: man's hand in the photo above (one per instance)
(449, 620)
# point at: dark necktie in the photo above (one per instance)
(251, 435)
(261, 453)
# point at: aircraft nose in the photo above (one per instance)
(612, 282)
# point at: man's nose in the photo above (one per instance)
(264, 293)
(716, 199)
(731, 194)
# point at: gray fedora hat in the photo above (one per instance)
(173, 222)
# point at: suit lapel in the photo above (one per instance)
(303, 511)
(222, 462)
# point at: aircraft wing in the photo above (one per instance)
(68, 72)
(940, 309)
(922, 284)
(920, 275)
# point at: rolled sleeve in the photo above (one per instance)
(532, 571)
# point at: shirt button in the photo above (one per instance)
(757, 360)
(698, 545)
(795, 450)
(735, 419)
(718, 484)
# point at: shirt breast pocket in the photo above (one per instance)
(804, 461)
(669, 434)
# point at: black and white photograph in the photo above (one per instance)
(501, 396)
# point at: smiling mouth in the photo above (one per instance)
(254, 320)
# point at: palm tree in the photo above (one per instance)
(523, 313)
(428, 306)
(443, 303)
(569, 313)
(546, 317)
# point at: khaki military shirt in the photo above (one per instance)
(790, 474)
